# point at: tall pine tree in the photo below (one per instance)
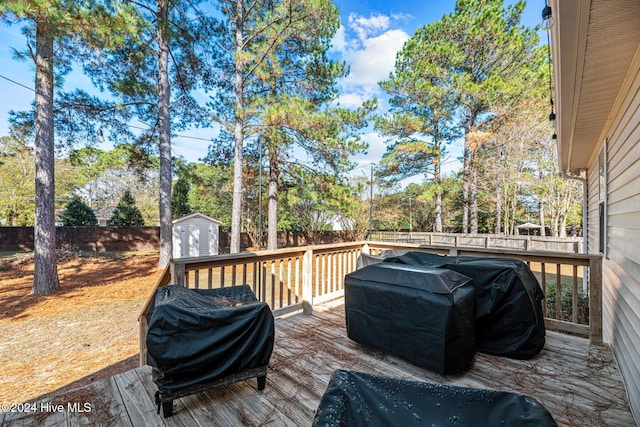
(54, 29)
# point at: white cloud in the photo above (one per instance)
(350, 100)
(377, 148)
(368, 45)
(375, 59)
(364, 27)
(339, 41)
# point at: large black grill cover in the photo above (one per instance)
(357, 399)
(423, 315)
(509, 319)
(195, 336)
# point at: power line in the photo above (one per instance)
(128, 125)
(19, 84)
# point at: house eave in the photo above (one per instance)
(594, 45)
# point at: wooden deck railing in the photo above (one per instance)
(493, 241)
(294, 279)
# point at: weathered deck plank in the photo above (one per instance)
(578, 383)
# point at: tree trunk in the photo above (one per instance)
(543, 231)
(164, 130)
(437, 180)
(473, 200)
(45, 277)
(563, 226)
(274, 176)
(236, 209)
(465, 191)
(514, 207)
(498, 226)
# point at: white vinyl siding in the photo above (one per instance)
(621, 267)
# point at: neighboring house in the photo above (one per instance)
(195, 235)
(596, 58)
(103, 215)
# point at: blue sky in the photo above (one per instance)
(371, 34)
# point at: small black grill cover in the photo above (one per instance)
(357, 399)
(196, 337)
(509, 319)
(421, 314)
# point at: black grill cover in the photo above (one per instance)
(357, 399)
(509, 319)
(196, 337)
(421, 314)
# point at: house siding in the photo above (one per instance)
(621, 266)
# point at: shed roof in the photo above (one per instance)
(196, 215)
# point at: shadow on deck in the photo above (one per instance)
(578, 383)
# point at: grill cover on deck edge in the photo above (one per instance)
(357, 399)
(195, 337)
(421, 314)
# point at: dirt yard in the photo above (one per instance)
(86, 331)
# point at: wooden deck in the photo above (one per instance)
(579, 384)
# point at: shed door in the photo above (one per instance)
(177, 241)
(213, 239)
(194, 241)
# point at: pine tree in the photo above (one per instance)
(154, 80)
(54, 29)
(77, 213)
(180, 199)
(420, 120)
(282, 92)
(126, 213)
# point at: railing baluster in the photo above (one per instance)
(298, 289)
(558, 293)
(289, 281)
(244, 274)
(263, 272)
(233, 275)
(543, 276)
(317, 276)
(574, 296)
(256, 280)
(273, 285)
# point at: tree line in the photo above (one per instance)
(271, 86)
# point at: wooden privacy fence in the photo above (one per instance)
(296, 279)
(493, 241)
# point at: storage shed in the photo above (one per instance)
(195, 235)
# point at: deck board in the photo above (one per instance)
(578, 383)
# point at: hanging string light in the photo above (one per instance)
(547, 23)
(547, 18)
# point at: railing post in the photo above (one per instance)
(307, 282)
(177, 273)
(595, 301)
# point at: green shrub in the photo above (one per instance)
(77, 214)
(126, 213)
(567, 303)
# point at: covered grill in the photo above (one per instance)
(421, 314)
(359, 399)
(509, 318)
(199, 339)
